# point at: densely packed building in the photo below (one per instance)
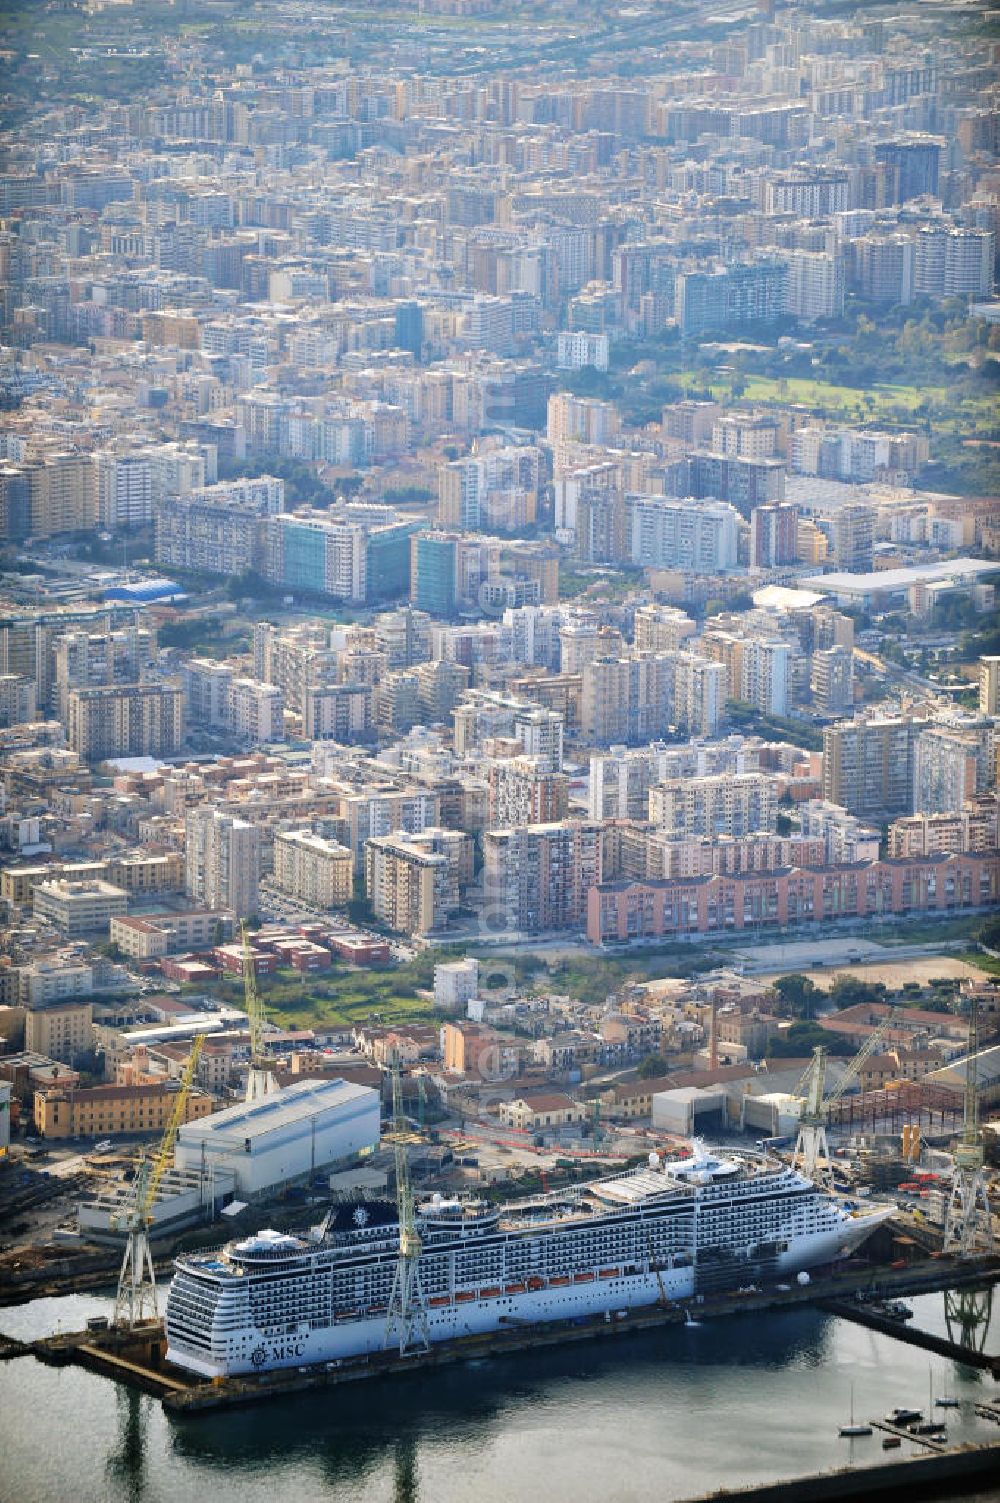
(459, 488)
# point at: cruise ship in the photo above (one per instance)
(666, 1231)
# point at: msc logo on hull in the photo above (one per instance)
(286, 1353)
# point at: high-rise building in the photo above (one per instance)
(128, 720)
(447, 571)
(953, 262)
(913, 167)
(774, 535)
(832, 680)
(765, 680)
(882, 268)
(728, 298)
(222, 861)
(257, 712)
(536, 878)
(496, 490)
(853, 531)
(410, 886)
(868, 764)
(731, 804)
(581, 420)
(315, 870)
(217, 530)
(952, 764)
(523, 791)
(989, 685)
(124, 490)
(661, 628)
(814, 287)
(353, 552)
(410, 328)
(668, 533)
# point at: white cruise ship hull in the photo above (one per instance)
(237, 1349)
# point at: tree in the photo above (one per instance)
(651, 1066)
(798, 993)
(801, 1038)
(851, 991)
(989, 934)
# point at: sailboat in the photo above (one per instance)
(930, 1426)
(852, 1428)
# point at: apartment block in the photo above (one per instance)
(313, 869)
(222, 861)
(59, 1030)
(868, 764)
(536, 878)
(410, 888)
(131, 720)
(727, 804)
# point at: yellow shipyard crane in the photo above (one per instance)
(136, 1298)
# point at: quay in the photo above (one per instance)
(863, 1315)
(945, 1476)
(137, 1357)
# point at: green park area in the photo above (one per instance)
(883, 402)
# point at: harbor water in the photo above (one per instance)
(665, 1414)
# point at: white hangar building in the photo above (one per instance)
(284, 1137)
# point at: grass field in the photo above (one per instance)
(341, 997)
(877, 402)
(981, 962)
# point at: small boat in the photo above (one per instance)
(439, 1300)
(904, 1416)
(490, 1293)
(689, 1319)
(929, 1427)
(515, 1288)
(609, 1273)
(948, 1403)
(536, 1283)
(559, 1281)
(891, 1443)
(583, 1278)
(465, 1297)
(851, 1428)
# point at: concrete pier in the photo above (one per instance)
(863, 1315)
(949, 1475)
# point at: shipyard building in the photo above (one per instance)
(283, 1137)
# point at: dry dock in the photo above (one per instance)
(136, 1358)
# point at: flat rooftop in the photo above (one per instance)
(886, 581)
(286, 1108)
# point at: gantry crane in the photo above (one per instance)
(136, 1298)
(407, 1307)
(968, 1226)
(812, 1152)
(260, 1079)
